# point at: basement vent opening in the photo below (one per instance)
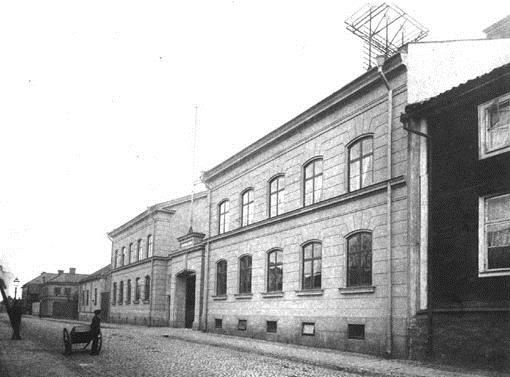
(356, 331)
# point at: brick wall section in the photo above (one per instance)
(327, 136)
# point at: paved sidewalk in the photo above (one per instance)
(333, 359)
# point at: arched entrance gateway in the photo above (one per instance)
(185, 298)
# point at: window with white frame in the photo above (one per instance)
(276, 195)
(494, 126)
(494, 235)
(247, 207)
(223, 209)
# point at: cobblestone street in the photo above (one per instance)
(132, 351)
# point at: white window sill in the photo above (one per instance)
(219, 298)
(495, 273)
(356, 290)
(243, 296)
(310, 292)
(275, 294)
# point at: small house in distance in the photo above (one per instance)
(94, 294)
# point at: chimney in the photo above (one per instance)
(500, 29)
(60, 272)
(72, 270)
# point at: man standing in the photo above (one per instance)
(95, 329)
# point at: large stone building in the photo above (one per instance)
(59, 295)
(313, 234)
(143, 276)
(94, 294)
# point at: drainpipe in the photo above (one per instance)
(208, 264)
(404, 118)
(389, 324)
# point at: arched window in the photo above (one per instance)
(223, 219)
(114, 298)
(221, 278)
(147, 288)
(247, 207)
(121, 292)
(130, 253)
(276, 194)
(139, 250)
(274, 271)
(360, 163)
(312, 182)
(123, 256)
(245, 274)
(137, 289)
(359, 259)
(312, 265)
(149, 246)
(128, 292)
(115, 258)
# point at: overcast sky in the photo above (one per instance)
(97, 103)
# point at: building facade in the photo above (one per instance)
(31, 291)
(59, 295)
(468, 132)
(309, 225)
(140, 280)
(94, 294)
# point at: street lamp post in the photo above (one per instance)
(16, 283)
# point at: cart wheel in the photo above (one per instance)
(99, 342)
(67, 346)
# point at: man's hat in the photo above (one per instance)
(98, 311)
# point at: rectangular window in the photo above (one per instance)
(312, 266)
(275, 271)
(356, 331)
(149, 246)
(359, 259)
(218, 323)
(276, 195)
(494, 126)
(57, 291)
(67, 291)
(87, 297)
(95, 296)
(223, 210)
(221, 278)
(123, 256)
(139, 250)
(360, 163)
(312, 182)
(247, 208)
(271, 326)
(245, 274)
(242, 325)
(130, 260)
(494, 235)
(308, 328)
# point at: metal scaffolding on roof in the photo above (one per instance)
(385, 29)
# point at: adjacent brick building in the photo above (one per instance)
(59, 295)
(94, 294)
(31, 292)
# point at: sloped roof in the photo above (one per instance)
(159, 207)
(67, 278)
(98, 274)
(39, 279)
(445, 98)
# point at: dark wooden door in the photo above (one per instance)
(105, 306)
(190, 302)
